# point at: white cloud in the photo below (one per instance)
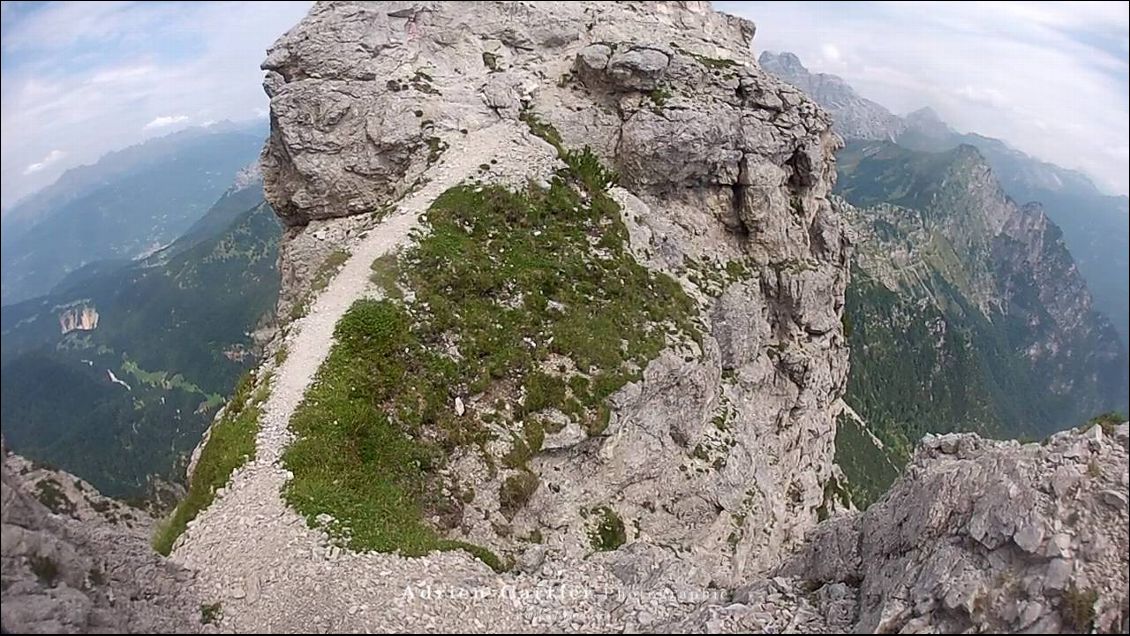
(831, 52)
(51, 158)
(982, 95)
(123, 74)
(1049, 78)
(165, 121)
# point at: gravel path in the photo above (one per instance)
(272, 573)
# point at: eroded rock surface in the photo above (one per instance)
(75, 562)
(720, 164)
(978, 536)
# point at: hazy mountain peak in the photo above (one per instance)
(1094, 226)
(853, 116)
(926, 121)
(784, 62)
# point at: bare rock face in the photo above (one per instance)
(977, 536)
(75, 562)
(989, 536)
(724, 453)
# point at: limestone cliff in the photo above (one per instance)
(718, 163)
(79, 317)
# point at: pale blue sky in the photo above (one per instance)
(81, 79)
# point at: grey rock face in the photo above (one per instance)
(988, 536)
(84, 565)
(633, 69)
(719, 162)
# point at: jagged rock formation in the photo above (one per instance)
(855, 117)
(1041, 548)
(718, 162)
(75, 562)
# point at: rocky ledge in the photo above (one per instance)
(977, 536)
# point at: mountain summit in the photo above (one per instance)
(855, 117)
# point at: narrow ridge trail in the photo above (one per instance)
(257, 557)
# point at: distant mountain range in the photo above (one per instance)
(128, 204)
(1095, 226)
(116, 371)
(966, 310)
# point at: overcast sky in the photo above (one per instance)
(1051, 79)
(81, 79)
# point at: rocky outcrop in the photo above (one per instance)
(855, 117)
(1041, 547)
(75, 562)
(718, 162)
(79, 317)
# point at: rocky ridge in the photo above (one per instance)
(717, 161)
(1041, 548)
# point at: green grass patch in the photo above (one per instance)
(335, 260)
(659, 98)
(516, 491)
(50, 493)
(211, 613)
(1078, 608)
(512, 281)
(1107, 421)
(713, 63)
(608, 533)
(385, 271)
(869, 469)
(230, 444)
